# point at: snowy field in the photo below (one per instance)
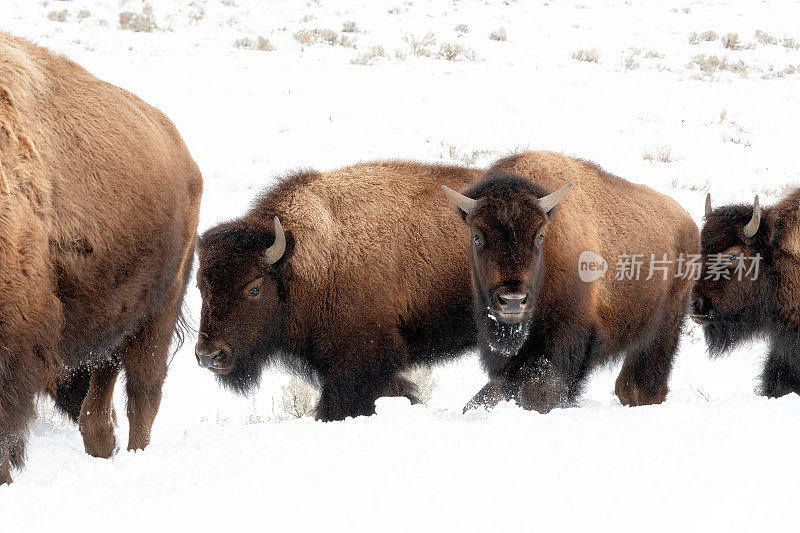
(261, 87)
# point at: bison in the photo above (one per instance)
(750, 285)
(99, 203)
(544, 320)
(348, 277)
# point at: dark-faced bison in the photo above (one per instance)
(751, 285)
(362, 276)
(543, 322)
(99, 202)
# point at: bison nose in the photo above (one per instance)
(511, 303)
(208, 358)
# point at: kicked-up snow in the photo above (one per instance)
(686, 97)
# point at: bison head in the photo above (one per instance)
(243, 280)
(731, 295)
(508, 218)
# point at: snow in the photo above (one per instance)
(714, 457)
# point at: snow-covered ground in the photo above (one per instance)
(661, 106)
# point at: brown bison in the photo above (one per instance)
(99, 201)
(750, 285)
(544, 323)
(347, 276)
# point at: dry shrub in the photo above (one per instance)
(731, 41)
(260, 43)
(662, 154)
(317, 35)
(711, 64)
(592, 56)
(455, 52)
(419, 47)
(368, 58)
(138, 22)
(765, 38)
(695, 38)
(58, 16)
(349, 27)
(463, 28)
(499, 35)
(298, 399)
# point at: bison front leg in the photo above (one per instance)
(496, 391)
(781, 374)
(16, 412)
(96, 420)
(366, 365)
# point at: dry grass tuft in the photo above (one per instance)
(260, 44)
(591, 56)
(463, 28)
(138, 22)
(765, 38)
(317, 35)
(455, 52)
(419, 47)
(662, 154)
(499, 35)
(298, 400)
(695, 38)
(58, 16)
(712, 64)
(368, 58)
(731, 41)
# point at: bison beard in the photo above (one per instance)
(501, 337)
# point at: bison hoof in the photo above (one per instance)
(100, 443)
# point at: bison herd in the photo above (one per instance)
(350, 276)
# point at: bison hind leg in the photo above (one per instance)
(644, 378)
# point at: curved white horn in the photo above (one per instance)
(466, 204)
(549, 202)
(752, 227)
(708, 204)
(275, 252)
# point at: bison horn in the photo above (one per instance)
(465, 204)
(549, 202)
(752, 227)
(708, 204)
(275, 252)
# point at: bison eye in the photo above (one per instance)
(478, 240)
(254, 291)
(539, 240)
